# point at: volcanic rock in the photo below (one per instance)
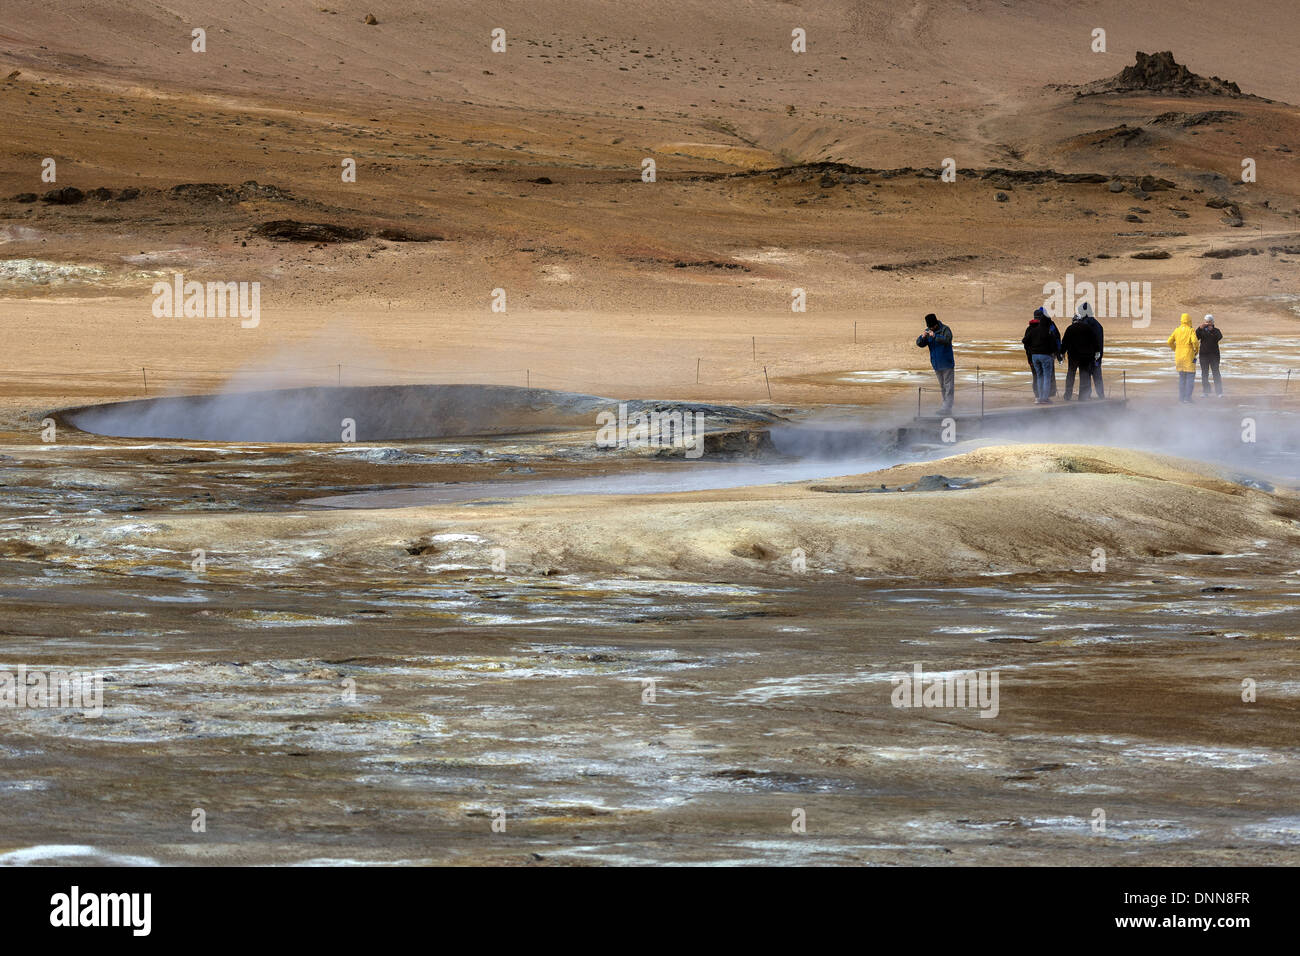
(291, 230)
(67, 196)
(1161, 73)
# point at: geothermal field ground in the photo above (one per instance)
(490, 433)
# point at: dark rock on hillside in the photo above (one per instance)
(1151, 184)
(846, 175)
(1123, 134)
(1187, 120)
(291, 230)
(399, 234)
(227, 192)
(1161, 73)
(66, 196)
(1028, 177)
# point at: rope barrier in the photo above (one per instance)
(341, 370)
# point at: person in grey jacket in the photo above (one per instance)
(1209, 335)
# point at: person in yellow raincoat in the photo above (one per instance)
(1185, 345)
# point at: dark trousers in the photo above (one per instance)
(1086, 369)
(946, 377)
(1094, 372)
(1210, 366)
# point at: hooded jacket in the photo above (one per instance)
(1040, 338)
(1185, 345)
(1209, 336)
(1079, 341)
(1086, 313)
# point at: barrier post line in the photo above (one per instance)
(697, 371)
(145, 375)
(340, 374)
(981, 399)
(769, 383)
(918, 401)
(1286, 388)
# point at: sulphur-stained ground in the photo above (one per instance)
(494, 640)
(654, 678)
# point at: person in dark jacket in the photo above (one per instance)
(1099, 335)
(937, 337)
(1056, 335)
(1079, 346)
(1209, 335)
(1042, 343)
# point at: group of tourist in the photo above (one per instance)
(1082, 346)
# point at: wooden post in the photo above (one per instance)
(918, 401)
(1287, 387)
(697, 371)
(340, 374)
(753, 340)
(528, 378)
(855, 333)
(1123, 377)
(145, 375)
(769, 383)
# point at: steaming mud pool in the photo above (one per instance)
(337, 684)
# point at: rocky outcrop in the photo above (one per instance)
(66, 196)
(1161, 73)
(1188, 120)
(227, 192)
(291, 230)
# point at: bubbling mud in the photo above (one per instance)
(323, 414)
(368, 413)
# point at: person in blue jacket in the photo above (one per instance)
(937, 337)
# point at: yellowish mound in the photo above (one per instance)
(1023, 508)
